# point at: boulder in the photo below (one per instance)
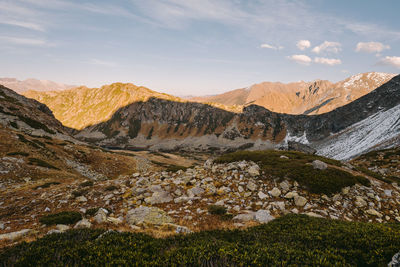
(263, 216)
(291, 195)
(159, 197)
(262, 196)
(360, 202)
(275, 192)
(16, 235)
(195, 191)
(101, 216)
(147, 215)
(373, 213)
(251, 186)
(300, 201)
(254, 170)
(244, 217)
(320, 165)
(84, 223)
(395, 262)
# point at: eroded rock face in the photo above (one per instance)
(147, 215)
(15, 235)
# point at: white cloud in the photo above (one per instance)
(24, 41)
(327, 61)
(279, 47)
(391, 61)
(328, 47)
(303, 44)
(371, 47)
(22, 24)
(301, 59)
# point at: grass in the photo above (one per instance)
(41, 163)
(291, 240)
(298, 168)
(64, 217)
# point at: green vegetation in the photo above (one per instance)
(86, 184)
(78, 193)
(111, 188)
(216, 210)
(17, 153)
(91, 212)
(64, 217)
(298, 168)
(291, 240)
(26, 141)
(41, 163)
(14, 124)
(46, 185)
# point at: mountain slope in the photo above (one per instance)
(163, 124)
(302, 97)
(81, 107)
(33, 84)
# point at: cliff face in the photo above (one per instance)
(164, 124)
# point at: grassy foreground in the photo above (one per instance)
(291, 240)
(298, 168)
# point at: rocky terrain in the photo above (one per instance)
(208, 196)
(33, 84)
(159, 124)
(307, 98)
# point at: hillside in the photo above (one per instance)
(302, 97)
(159, 124)
(33, 84)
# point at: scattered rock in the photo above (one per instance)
(373, 213)
(101, 216)
(320, 165)
(84, 223)
(251, 186)
(360, 202)
(254, 170)
(262, 196)
(16, 235)
(263, 216)
(395, 262)
(275, 192)
(147, 215)
(300, 201)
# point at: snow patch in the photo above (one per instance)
(299, 139)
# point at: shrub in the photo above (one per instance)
(41, 163)
(91, 211)
(111, 188)
(86, 184)
(24, 154)
(216, 210)
(291, 240)
(78, 193)
(35, 124)
(298, 168)
(64, 217)
(46, 185)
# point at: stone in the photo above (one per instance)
(320, 165)
(345, 190)
(62, 227)
(2, 226)
(81, 199)
(279, 204)
(283, 157)
(300, 201)
(395, 262)
(84, 223)
(373, 213)
(240, 189)
(114, 220)
(254, 170)
(101, 216)
(291, 195)
(388, 193)
(284, 186)
(16, 235)
(262, 196)
(360, 202)
(195, 191)
(251, 186)
(275, 192)
(147, 215)
(244, 217)
(159, 197)
(263, 216)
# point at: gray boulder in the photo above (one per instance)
(320, 165)
(147, 215)
(263, 216)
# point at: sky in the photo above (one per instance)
(197, 47)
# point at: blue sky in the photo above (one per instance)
(197, 47)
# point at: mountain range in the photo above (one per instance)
(33, 84)
(340, 120)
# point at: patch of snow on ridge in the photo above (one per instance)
(299, 139)
(363, 136)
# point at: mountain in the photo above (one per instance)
(32, 84)
(302, 97)
(160, 124)
(81, 106)
(35, 146)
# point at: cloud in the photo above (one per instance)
(279, 47)
(303, 44)
(327, 61)
(24, 41)
(301, 59)
(328, 47)
(391, 61)
(22, 24)
(371, 47)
